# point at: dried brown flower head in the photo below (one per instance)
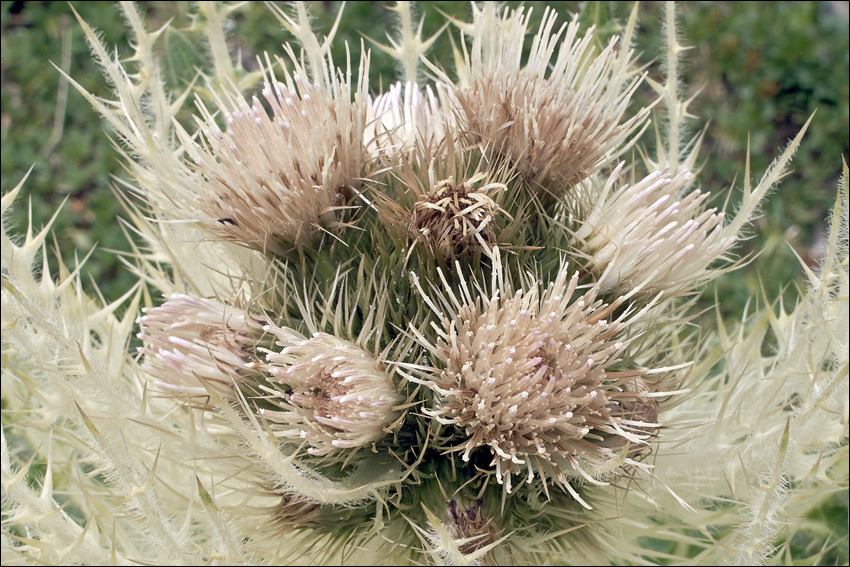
(446, 201)
(453, 220)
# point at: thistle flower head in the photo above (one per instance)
(651, 234)
(404, 116)
(453, 219)
(281, 171)
(189, 341)
(528, 378)
(443, 199)
(556, 121)
(332, 393)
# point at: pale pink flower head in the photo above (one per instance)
(191, 343)
(331, 393)
(535, 381)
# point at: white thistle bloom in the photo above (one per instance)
(404, 116)
(651, 235)
(557, 121)
(190, 341)
(281, 171)
(337, 395)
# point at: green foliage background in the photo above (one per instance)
(761, 68)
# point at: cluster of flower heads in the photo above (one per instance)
(327, 391)
(516, 359)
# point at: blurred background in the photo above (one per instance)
(761, 69)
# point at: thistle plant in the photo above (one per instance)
(449, 323)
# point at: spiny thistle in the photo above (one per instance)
(528, 376)
(382, 309)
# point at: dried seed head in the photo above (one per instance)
(556, 122)
(455, 220)
(187, 340)
(337, 394)
(470, 523)
(529, 379)
(440, 197)
(650, 234)
(277, 177)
